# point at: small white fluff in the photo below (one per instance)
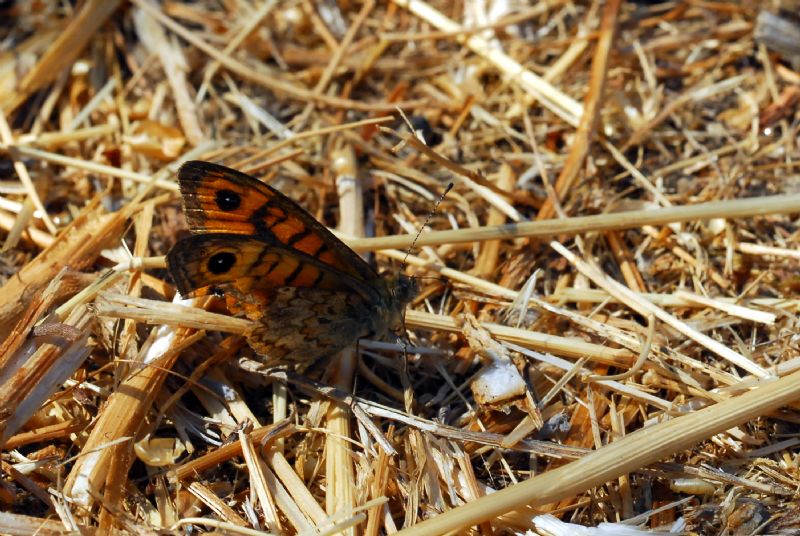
(498, 382)
(548, 525)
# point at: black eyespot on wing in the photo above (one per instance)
(221, 262)
(228, 200)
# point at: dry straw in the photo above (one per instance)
(605, 329)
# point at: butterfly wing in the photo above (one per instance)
(301, 325)
(202, 263)
(218, 199)
(304, 309)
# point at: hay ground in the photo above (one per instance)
(606, 328)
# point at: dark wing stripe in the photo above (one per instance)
(260, 259)
(299, 236)
(320, 251)
(258, 220)
(278, 221)
(292, 276)
(318, 279)
(272, 266)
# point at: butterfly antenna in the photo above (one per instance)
(404, 340)
(427, 220)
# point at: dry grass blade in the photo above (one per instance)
(739, 208)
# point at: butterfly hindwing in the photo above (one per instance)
(303, 310)
(218, 199)
(303, 325)
(215, 260)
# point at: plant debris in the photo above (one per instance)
(605, 336)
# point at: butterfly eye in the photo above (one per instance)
(228, 200)
(222, 262)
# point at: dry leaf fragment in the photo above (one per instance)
(156, 140)
(159, 451)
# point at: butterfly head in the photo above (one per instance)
(399, 291)
(405, 289)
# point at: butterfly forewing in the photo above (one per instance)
(218, 199)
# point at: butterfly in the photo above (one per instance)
(307, 292)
